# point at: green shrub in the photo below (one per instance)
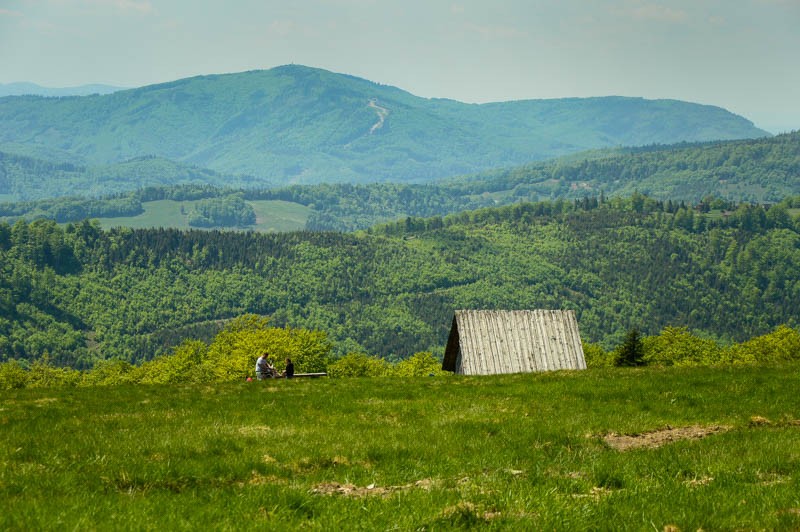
(109, 372)
(782, 344)
(12, 375)
(186, 364)
(43, 375)
(677, 346)
(230, 356)
(419, 365)
(233, 353)
(597, 357)
(359, 365)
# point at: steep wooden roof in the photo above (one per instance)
(488, 342)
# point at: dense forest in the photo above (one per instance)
(77, 293)
(760, 171)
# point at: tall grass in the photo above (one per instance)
(502, 452)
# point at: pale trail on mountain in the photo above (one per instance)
(382, 114)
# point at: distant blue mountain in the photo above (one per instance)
(22, 88)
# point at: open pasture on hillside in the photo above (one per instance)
(271, 215)
(602, 449)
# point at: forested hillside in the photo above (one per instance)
(756, 170)
(24, 178)
(760, 171)
(295, 124)
(79, 293)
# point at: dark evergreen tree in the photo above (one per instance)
(631, 352)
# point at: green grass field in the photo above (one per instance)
(519, 452)
(270, 216)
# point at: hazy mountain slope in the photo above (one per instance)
(764, 170)
(20, 88)
(26, 178)
(756, 170)
(298, 124)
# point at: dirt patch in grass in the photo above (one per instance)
(760, 421)
(772, 479)
(255, 430)
(45, 401)
(257, 479)
(467, 515)
(351, 490)
(595, 493)
(266, 431)
(657, 438)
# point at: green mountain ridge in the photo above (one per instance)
(296, 124)
(764, 170)
(26, 178)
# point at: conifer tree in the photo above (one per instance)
(631, 352)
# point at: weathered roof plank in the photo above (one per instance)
(486, 342)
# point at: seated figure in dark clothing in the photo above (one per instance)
(289, 371)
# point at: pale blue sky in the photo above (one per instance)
(743, 55)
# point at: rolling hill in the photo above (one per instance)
(764, 170)
(24, 178)
(296, 124)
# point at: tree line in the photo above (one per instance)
(79, 294)
(230, 356)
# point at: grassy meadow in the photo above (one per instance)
(271, 215)
(503, 452)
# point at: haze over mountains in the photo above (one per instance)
(24, 88)
(296, 124)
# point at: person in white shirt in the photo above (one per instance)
(264, 368)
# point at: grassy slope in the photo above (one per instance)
(270, 216)
(506, 452)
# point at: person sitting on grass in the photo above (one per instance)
(264, 368)
(289, 371)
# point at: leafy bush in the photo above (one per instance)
(43, 375)
(782, 344)
(677, 346)
(597, 357)
(185, 365)
(12, 375)
(109, 372)
(419, 365)
(359, 365)
(233, 353)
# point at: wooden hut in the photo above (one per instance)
(488, 342)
